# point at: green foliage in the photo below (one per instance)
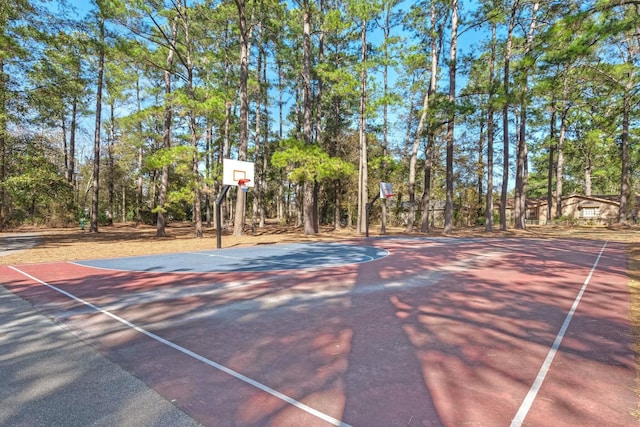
(177, 156)
(179, 203)
(309, 163)
(38, 192)
(583, 63)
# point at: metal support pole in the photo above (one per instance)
(223, 193)
(367, 210)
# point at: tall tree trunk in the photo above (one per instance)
(519, 211)
(193, 126)
(226, 153)
(243, 146)
(319, 78)
(426, 193)
(319, 110)
(480, 173)
(72, 140)
(281, 89)
(560, 158)
(140, 155)
(419, 131)
(428, 167)
(410, 112)
(3, 142)
(448, 206)
(208, 160)
(166, 132)
(413, 160)
(65, 146)
(265, 151)
(488, 213)
(505, 118)
(308, 202)
(521, 150)
(624, 143)
(386, 28)
(258, 189)
(631, 53)
(363, 187)
(96, 136)
(197, 196)
(225, 148)
(552, 146)
(111, 163)
(337, 185)
(587, 178)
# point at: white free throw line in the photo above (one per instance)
(196, 356)
(542, 373)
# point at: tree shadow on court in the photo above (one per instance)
(230, 325)
(480, 334)
(384, 384)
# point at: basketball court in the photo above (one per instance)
(368, 332)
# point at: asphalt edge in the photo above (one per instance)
(51, 377)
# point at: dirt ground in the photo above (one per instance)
(129, 239)
(51, 245)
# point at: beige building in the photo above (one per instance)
(576, 209)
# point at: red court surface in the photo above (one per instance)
(441, 332)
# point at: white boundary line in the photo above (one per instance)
(194, 355)
(542, 373)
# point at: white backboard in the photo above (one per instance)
(386, 190)
(235, 170)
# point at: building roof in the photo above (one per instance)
(587, 201)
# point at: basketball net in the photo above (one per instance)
(243, 184)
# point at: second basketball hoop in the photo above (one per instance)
(386, 191)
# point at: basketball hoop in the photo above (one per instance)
(386, 192)
(243, 184)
